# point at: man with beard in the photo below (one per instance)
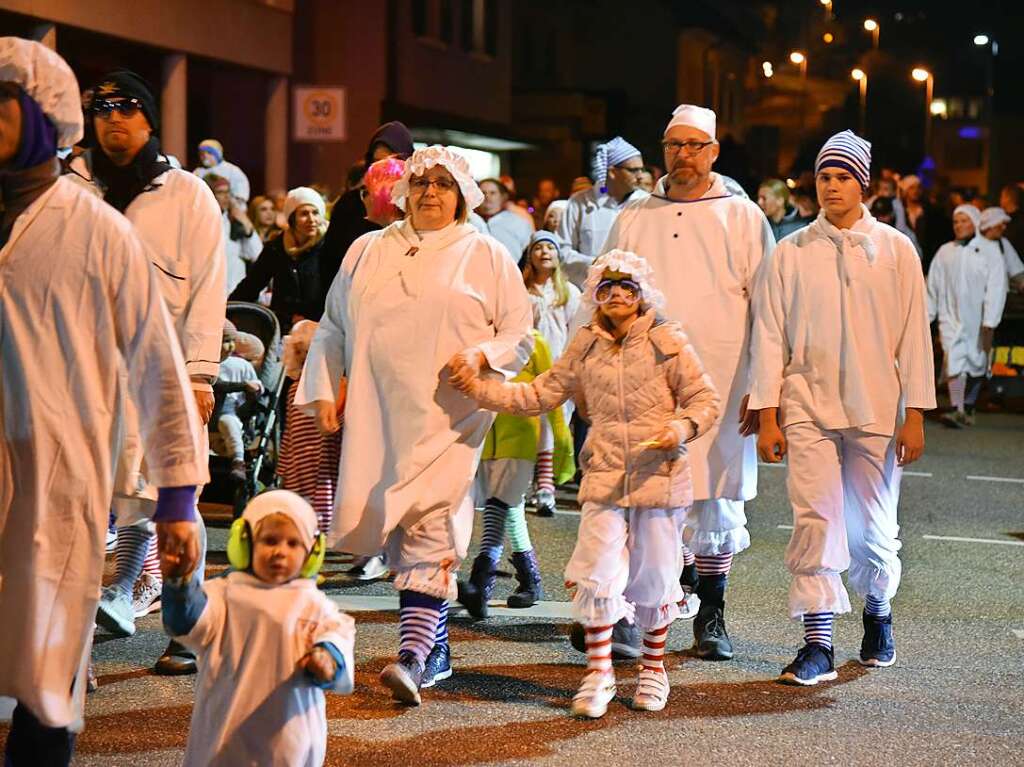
(706, 246)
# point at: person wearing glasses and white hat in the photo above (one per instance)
(707, 245)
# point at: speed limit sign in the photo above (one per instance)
(318, 114)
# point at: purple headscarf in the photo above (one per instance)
(38, 135)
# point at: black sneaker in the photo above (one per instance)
(877, 648)
(177, 660)
(689, 578)
(710, 639)
(404, 678)
(626, 640)
(438, 666)
(814, 663)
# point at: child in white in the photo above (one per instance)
(842, 361)
(268, 645)
(238, 380)
(966, 292)
(648, 396)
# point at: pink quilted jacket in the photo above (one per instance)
(633, 389)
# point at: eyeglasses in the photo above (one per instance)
(102, 108)
(421, 184)
(603, 291)
(690, 147)
(634, 171)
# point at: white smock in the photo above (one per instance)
(178, 219)
(237, 253)
(253, 703)
(236, 178)
(552, 321)
(588, 217)
(705, 255)
(967, 287)
(75, 273)
(510, 229)
(400, 307)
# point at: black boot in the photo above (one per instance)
(475, 593)
(530, 590)
(710, 638)
(689, 579)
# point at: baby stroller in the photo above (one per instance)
(261, 425)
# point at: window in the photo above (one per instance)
(419, 18)
(478, 26)
(447, 21)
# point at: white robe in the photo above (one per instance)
(588, 217)
(841, 329)
(555, 323)
(1014, 266)
(392, 321)
(235, 176)
(79, 299)
(237, 253)
(253, 704)
(966, 290)
(511, 230)
(705, 255)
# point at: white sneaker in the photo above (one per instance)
(111, 540)
(146, 595)
(595, 693)
(651, 690)
(372, 569)
(688, 606)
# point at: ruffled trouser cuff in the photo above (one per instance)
(819, 593)
(431, 579)
(707, 543)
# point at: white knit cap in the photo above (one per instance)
(625, 262)
(296, 347)
(424, 159)
(993, 217)
(48, 80)
(971, 212)
(303, 195)
(293, 506)
(696, 117)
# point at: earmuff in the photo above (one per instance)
(240, 550)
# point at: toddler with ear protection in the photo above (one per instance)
(268, 642)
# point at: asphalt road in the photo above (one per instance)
(955, 696)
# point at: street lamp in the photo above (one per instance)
(922, 75)
(862, 79)
(870, 25)
(981, 39)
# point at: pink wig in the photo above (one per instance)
(379, 179)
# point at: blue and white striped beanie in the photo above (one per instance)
(608, 155)
(848, 151)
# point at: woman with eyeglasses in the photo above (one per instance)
(422, 295)
(648, 396)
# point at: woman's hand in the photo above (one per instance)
(670, 438)
(319, 664)
(327, 421)
(465, 368)
(771, 442)
(910, 440)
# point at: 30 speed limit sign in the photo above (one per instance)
(318, 113)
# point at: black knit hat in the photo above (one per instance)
(125, 84)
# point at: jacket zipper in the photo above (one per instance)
(622, 414)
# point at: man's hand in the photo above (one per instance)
(465, 367)
(910, 440)
(327, 421)
(178, 544)
(204, 404)
(748, 418)
(319, 664)
(987, 335)
(771, 442)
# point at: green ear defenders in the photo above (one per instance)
(240, 550)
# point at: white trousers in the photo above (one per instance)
(716, 526)
(230, 427)
(426, 556)
(844, 487)
(506, 479)
(626, 564)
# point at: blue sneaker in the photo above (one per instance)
(438, 666)
(877, 648)
(814, 663)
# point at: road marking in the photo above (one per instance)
(355, 604)
(917, 474)
(1012, 480)
(905, 474)
(1018, 632)
(784, 527)
(971, 540)
(772, 465)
